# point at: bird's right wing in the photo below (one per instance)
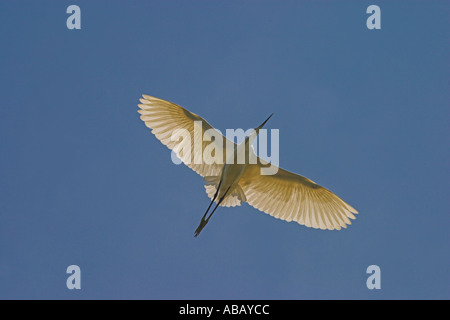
(176, 128)
(292, 197)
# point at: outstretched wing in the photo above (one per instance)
(292, 197)
(180, 129)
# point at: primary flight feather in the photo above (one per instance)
(284, 195)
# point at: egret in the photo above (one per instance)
(283, 195)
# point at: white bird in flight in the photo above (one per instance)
(284, 195)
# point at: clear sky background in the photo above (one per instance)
(362, 112)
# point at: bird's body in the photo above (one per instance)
(233, 170)
(230, 176)
(230, 182)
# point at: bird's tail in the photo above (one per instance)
(235, 198)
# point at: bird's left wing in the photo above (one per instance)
(193, 139)
(292, 197)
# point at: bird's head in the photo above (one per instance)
(250, 138)
(262, 124)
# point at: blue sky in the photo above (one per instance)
(362, 112)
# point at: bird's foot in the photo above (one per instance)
(200, 226)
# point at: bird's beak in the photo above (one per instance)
(262, 125)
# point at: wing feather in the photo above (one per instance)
(165, 118)
(292, 197)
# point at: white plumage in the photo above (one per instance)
(284, 195)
